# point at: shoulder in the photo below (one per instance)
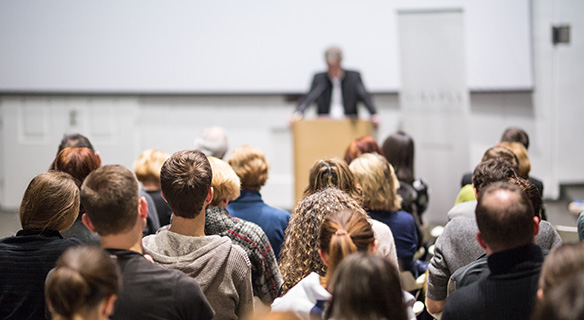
(462, 302)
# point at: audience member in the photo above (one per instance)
(212, 142)
(335, 173)
(84, 284)
(50, 204)
(265, 275)
(513, 134)
(78, 162)
(77, 140)
(478, 269)
(379, 187)
(559, 266)
(115, 211)
(367, 287)
(360, 146)
(456, 247)
(563, 302)
(507, 229)
(300, 255)
(250, 165)
(399, 149)
(147, 169)
(341, 233)
(524, 164)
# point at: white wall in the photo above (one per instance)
(122, 126)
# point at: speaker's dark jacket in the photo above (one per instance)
(352, 89)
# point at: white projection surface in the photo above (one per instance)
(230, 46)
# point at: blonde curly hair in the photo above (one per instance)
(299, 256)
(378, 182)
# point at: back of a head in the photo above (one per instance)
(502, 154)
(212, 142)
(490, 171)
(82, 279)
(225, 182)
(516, 135)
(110, 199)
(524, 165)
(360, 146)
(532, 193)
(185, 179)
(398, 149)
(366, 286)
(147, 166)
(378, 182)
(504, 216)
(50, 202)
(299, 256)
(342, 233)
(560, 265)
(250, 165)
(563, 302)
(78, 162)
(332, 173)
(75, 140)
(333, 54)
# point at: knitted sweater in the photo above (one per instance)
(265, 274)
(221, 269)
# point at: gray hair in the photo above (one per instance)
(212, 142)
(333, 53)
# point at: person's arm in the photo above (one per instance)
(316, 89)
(434, 307)
(365, 97)
(438, 274)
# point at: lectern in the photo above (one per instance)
(319, 138)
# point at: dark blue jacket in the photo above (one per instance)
(250, 207)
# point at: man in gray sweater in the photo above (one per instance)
(222, 269)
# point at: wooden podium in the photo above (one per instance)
(319, 138)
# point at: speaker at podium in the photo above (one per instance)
(319, 138)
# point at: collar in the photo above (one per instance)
(39, 232)
(122, 253)
(217, 211)
(506, 261)
(249, 196)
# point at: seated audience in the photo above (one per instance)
(507, 229)
(300, 255)
(365, 286)
(361, 146)
(147, 168)
(212, 142)
(265, 274)
(50, 204)
(399, 149)
(84, 284)
(524, 164)
(478, 269)
(341, 233)
(335, 173)
(467, 192)
(116, 212)
(251, 167)
(456, 247)
(379, 187)
(78, 162)
(559, 266)
(77, 140)
(564, 301)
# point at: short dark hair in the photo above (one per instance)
(75, 140)
(398, 149)
(185, 179)
(504, 223)
(110, 198)
(490, 171)
(516, 135)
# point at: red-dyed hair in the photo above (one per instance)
(78, 162)
(360, 146)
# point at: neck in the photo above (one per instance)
(189, 227)
(126, 241)
(151, 186)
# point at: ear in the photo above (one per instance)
(163, 197)
(324, 256)
(98, 155)
(373, 247)
(108, 306)
(87, 223)
(143, 208)
(536, 221)
(540, 294)
(481, 241)
(475, 192)
(209, 196)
